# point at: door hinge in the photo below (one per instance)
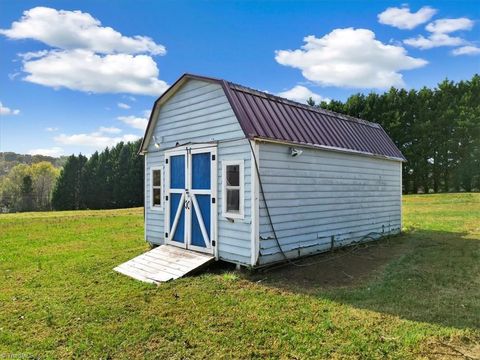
(213, 157)
(213, 200)
(166, 235)
(213, 242)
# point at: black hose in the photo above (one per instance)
(266, 205)
(367, 236)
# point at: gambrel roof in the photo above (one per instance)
(265, 116)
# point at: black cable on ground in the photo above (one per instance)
(367, 236)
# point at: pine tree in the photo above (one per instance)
(66, 195)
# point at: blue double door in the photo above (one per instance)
(191, 198)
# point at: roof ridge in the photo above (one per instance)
(303, 106)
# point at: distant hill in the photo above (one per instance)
(9, 159)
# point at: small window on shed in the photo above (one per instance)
(156, 188)
(233, 189)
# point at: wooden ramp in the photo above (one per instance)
(164, 263)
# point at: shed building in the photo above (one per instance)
(252, 178)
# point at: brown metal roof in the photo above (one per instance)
(270, 117)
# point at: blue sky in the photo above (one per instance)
(78, 81)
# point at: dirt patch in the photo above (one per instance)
(342, 267)
(453, 349)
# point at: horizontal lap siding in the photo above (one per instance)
(154, 221)
(200, 112)
(235, 237)
(321, 194)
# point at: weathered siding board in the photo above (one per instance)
(321, 194)
(200, 112)
(154, 228)
(235, 237)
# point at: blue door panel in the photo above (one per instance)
(179, 234)
(204, 204)
(201, 171)
(177, 172)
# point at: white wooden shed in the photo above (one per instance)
(252, 178)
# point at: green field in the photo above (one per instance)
(412, 296)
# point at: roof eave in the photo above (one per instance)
(327, 148)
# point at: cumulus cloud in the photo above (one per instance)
(434, 40)
(466, 50)
(96, 140)
(134, 121)
(123, 106)
(109, 130)
(301, 94)
(403, 18)
(86, 56)
(51, 129)
(439, 34)
(53, 151)
(446, 26)
(350, 58)
(7, 111)
(86, 71)
(77, 30)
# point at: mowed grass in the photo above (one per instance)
(59, 297)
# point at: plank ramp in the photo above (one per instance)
(163, 263)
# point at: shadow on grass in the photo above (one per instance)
(427, 276)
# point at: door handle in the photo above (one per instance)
(187, 204)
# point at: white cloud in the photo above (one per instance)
(350, 58)
(33, 54)
(466, 50)
(301, 94)
(51, 129)
(446, 26)
(134, 121)
(86, 71)
(109, 130)
(123, 105)
(439, 30)
(402, 18)
(7, 111)
(434, 40)
(86, 56)
(77, 30)
(53, 151)
(94, 140)
(146, 113)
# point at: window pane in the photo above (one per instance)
(156, 197)
(156, 177)
(233, 175)
(233, 200)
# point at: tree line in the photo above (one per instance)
(9, 159)
(28, 187)
(437, 130)
(109, 179)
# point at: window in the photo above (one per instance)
(156, 188)
(232, 189)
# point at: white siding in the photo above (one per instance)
(235, 237)
(321, 194)
(200, 112)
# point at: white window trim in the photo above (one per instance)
(241, 213)
(156, 207)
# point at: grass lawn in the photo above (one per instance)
(412, 296)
